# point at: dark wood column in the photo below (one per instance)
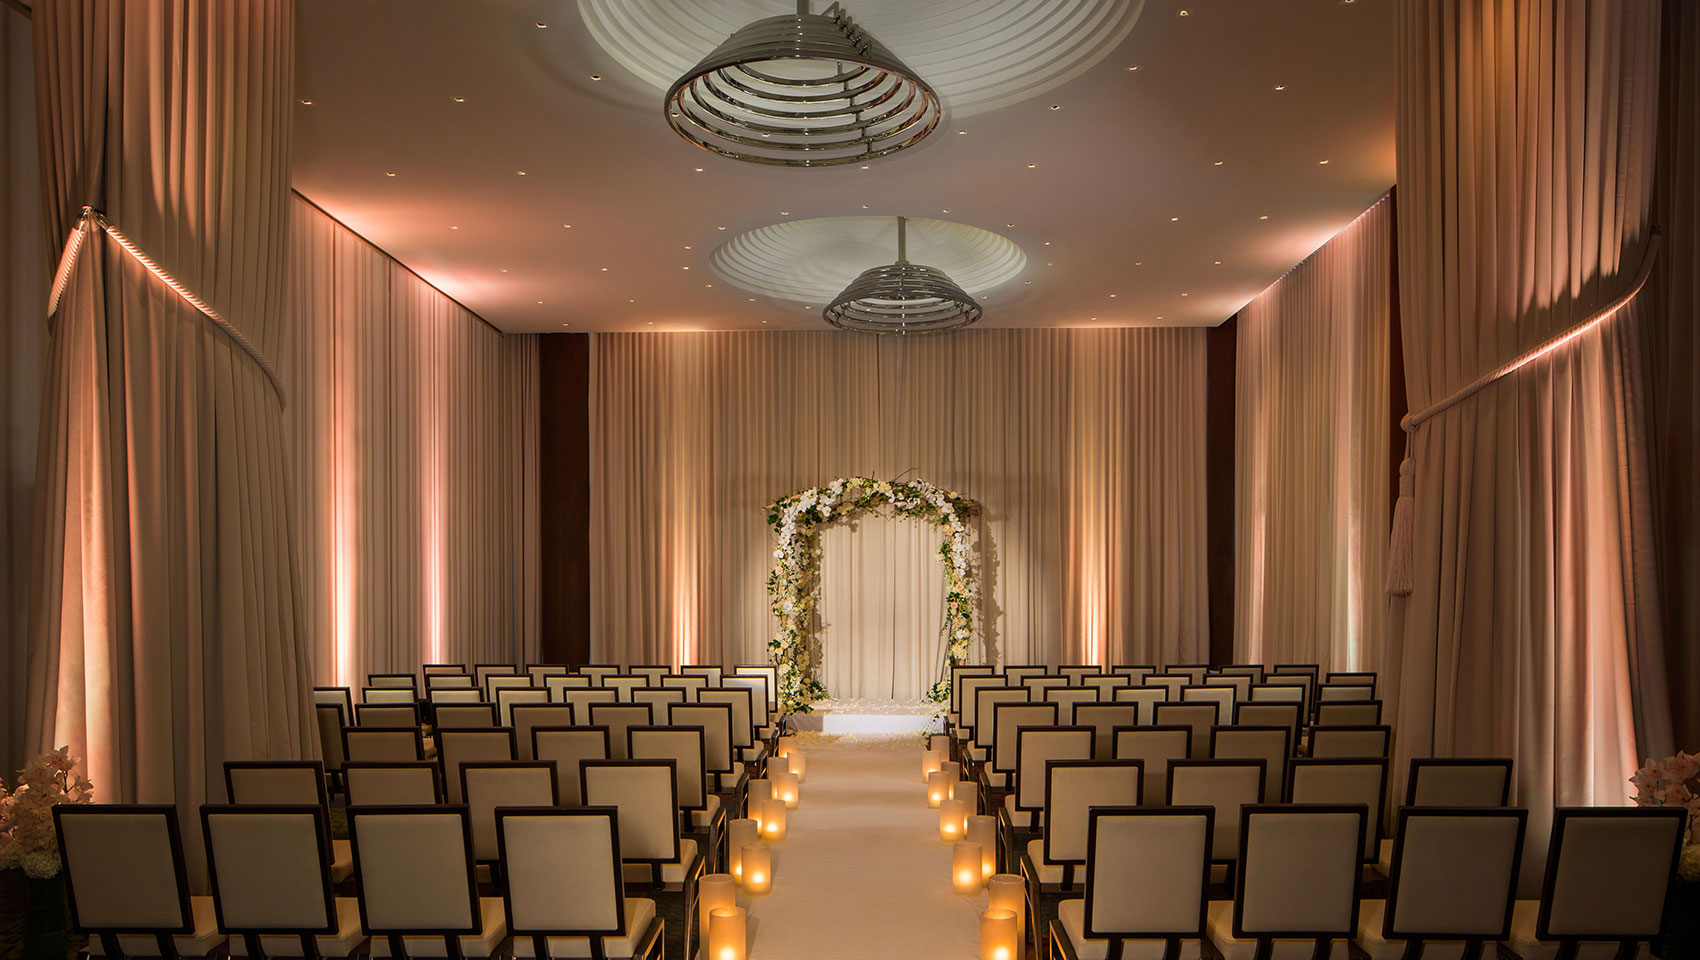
(563, 494)
(1219, 485)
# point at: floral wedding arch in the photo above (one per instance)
(794, 585)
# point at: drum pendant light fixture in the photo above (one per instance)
(802, 90)
(902, 298)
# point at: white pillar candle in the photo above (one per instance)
(1007, 891)
(983, 830)
(758, 869)
(726, 937)
(772, 818)
(952, 770)
(738, 833)
(777, 764)
(938, 788)
(953, 820)
(714, 891)
(795, 759)
(931, 759)
(785, 788)
(758, 790)
(787, 746)
(966, 790)
(998, 939)
(965, 868)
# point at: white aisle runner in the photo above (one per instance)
(862, 873)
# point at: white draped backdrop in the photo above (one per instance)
(1085, 448)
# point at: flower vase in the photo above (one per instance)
(33, 921)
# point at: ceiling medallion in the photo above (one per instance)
(902, 298)
(803, 90)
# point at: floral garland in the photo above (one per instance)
(793, 586)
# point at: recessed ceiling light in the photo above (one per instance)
(1174, 219)
(458, 99)
(1220, 162)
(1323, 162)
(1094, 318)
(539, 301)
(1184, 13)
(685, 268)
(1218, 263)
(520, 172)
(699, 169)
(1028, 282)
(632, 301)
(1280, 86)
(504, 269)
(947, 210)
(604, 269)
(864, 166)
(764, 321)
(1133, 68)
(719, 228)
(785, 213)
(387, 174)
(1159, 318)
(753, 300)
(1009, 224)
(567, 225)
(1139, 263)
(864, 206)
(962, 133)
(1264, 217)
(1050, 263)
(1183, 294)
(1032, 166)
(454, 228)
(1056, 106)
(1047, 243)
(306, 103)
(596, 76)
(1112, 296)
(542, 26)
(650, 322)
(687, 246)
(708, 285)
(566, 324)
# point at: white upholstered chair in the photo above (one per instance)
(1155, 747)
(419, 884)
(455, 748)
(566, 896)
(417, 782)
(646, 794)
(271, 882)
(566, 748)
(274, 782)
(1146, 887)
(1272, 745)
(1072, 789)
(1296, 894)
(1200, 716)
(143, 909)
(1226, 786)
(1343, 780)
(1453, 879)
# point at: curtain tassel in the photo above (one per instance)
(1399, 552)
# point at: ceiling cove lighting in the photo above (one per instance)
(902, 298)
(802, 90)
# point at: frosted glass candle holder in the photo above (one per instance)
(1007, 891)
(997, 935)
(983, 830)
(772, 818)
(785, 789)
(758, 869)
(938, 788)
(714, 891)
(965, 868)
(758, 790)
(726, 936)
(777, 764)
(931, 759)
(798, 766)
(738, 833)
(787, 746)
(953, 821)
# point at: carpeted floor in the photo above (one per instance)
(862, 872)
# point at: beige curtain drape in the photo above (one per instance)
(164, 631)
(1085, 448)
(24, 279)
(1526, 143)
(413, 449)
(1311, 435)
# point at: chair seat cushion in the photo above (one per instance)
(1019, 819)
(997, 781)
(1524, 916)
(1049, 873)
(1219, 920)
(343, 943)
(1071, 916)
(342, 860)
(671, 873)
(204, 940)
(1371, 914)
(640, 913)
(702, 818)
(977, 754)
(493, 929)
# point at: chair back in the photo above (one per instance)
(382, 744)
(742, 700)
(331, 724)
(1104, 716)
(1269, 744)
(495, 683)
(617, 717)
(1240, 683)
(1270, 713)
(646, 794)
(767, 671)
(962, 672)
(371, 714)
(488, 784)
(1341, 713)
(1290, 690)
(1607, 872)
(336, 697)
(986, 700)
(564, 875)
(1107, 684)
(1459, 782)
(1220, 694)
(1298, 876)
(508, 698)
(1067, 698)
(623, 686)
(394, 784)
(1454, 873)
(1009, 717)
(1252, 670)
(149, 895)
(968, 698)
(430, 670)
(460, 716)
(715, 719)
(456, 748)
(1352, 678)
(1072, 789)
(658, 698)
(713, 673)
(1015, 673)
(1076, 672)
(538, 671)
(450, 681)
(1354, 742)
(583, 698)
(1199, 716)
(1036, 686)
(1170, 683)
(1223, 785)
(651, 674)
(1145, 699)
(598, 671)
(1137, 671)
(466, 694)
(1156, 748)
(407, 680)
(387, 695)
(688, 684)
(566, 747)
(558, 686)
(483, 671)
(529, 716)
(684, 747)
(275, 782)
(1148, 873)
(417, 873)
(1037, 746)
(1343, 780)
(757, 685)
(1194, 672)
(270, 870)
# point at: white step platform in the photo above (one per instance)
(835, 717)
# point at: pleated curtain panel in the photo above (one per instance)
(165, 631)
(1526, 164)
(1084, 447)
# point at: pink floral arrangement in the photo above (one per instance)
(27, 837)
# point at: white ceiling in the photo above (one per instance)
(1198, 132)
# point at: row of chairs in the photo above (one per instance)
(416, 889)
(1451, 893)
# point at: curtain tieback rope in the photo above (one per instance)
(1400, 560)
(73, 250)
